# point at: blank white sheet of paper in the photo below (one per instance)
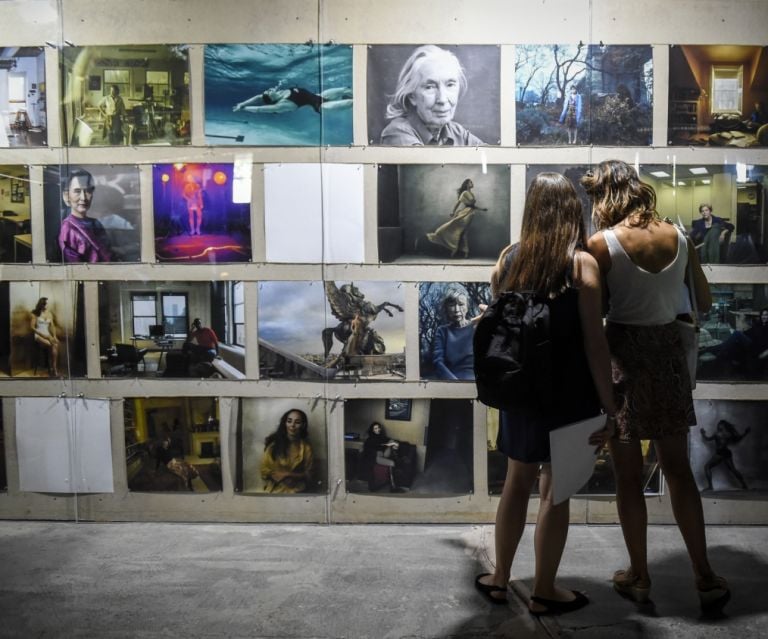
(573, 458)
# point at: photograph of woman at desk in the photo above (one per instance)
(15, 226)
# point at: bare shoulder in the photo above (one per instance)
(586, 269)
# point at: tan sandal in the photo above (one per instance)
(629, 585)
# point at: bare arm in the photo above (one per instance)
(595, 344)
(700, 284)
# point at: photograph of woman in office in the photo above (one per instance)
(430, 95)
(424, 449)
(446, 329)
(710, 235)
(278, 94)
(281, 446)
(439, 212)
(15, 214)
(47, 329)
(92, 213)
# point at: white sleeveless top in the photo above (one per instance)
(642, 298)
(44, 326)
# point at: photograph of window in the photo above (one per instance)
(172, 444)
(278, 94)
(429, 453)
(15, 214)
(446, 329)
(433, 95)
(23, 118)
(46, 327)
(722, 206)
(728, 447)
(92, 213)
(332, 330)
(583, 94)
(282, 446)
(141, 95)
(169, 330)
(442, 212)
(202, 213)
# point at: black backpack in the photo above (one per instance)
(513, 353)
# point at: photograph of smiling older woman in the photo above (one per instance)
(429, 94)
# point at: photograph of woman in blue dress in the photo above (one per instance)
(278, 94)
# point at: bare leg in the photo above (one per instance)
(732, 467)
(628, 469)
(510, 518)
(686, 501)
(549, 542)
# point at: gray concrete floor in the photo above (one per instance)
(367, 581)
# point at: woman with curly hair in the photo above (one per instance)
(287, 463)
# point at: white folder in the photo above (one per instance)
(573, 457)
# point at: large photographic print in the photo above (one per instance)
(721, 206)
(278, 94)
(15, 214)
(172, 444)
(332, 330)
(433, 95)
(728, 447)
(172, 329)
(429, 453)
(22, 97)
(442, 212)
(282, 446)
(583, 94)
(718, 95)
(92, 213)
(125, 95)
(202, 213)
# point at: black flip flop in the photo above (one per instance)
(487, 589)
(558, 607)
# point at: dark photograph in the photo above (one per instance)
(728, 447)
(345, 331)
(733, 336)
(201, 214)
(427, 454)
(22, 97)
(15, 213)
(125, 95)
(601, 483)
(3, 472)
(433, 95)
(718, 96)
(172, 329)
(720, 205)
(446, 329)
(435, 213)
(46, 327)
(92, 213)
(278, 94)
(583, 94)
(282, 446)
(172, 444)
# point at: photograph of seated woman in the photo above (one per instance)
(711, 235)
(743, 354)
(202, 343)
(378, 460)
(44, 331)
(286, 466)
(452, 354)
(170, 458)
(725, 436)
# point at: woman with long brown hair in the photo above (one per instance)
(644, 262)
(550, 261)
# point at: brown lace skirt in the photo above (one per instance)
(650, 381)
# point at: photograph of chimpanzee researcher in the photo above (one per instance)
(281, 446)
(15, 214)
(433, 95)
(721, 207)
(125, 95)
(172, 444)
(408, 446)
(718, 96)
(438, 213)
(728, 447)
(45, 324)
(733, 334)
(583, 94)
(92, 213)
(172, 329)
(446, 329)
(601, 483)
